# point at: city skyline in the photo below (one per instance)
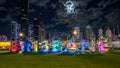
(97, 13)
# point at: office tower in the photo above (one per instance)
(23, 17)
(48, 36)
(30, 32)
(14, 31)
(77, 33)
(100, 32)
(43, 34)
(37, 29)
(89, 32)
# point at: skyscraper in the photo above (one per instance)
(37, 30)
(47, 36)
(23, 17)
(14, 31)
(43, 34)
(77, 33)
(24, 10)
(89, 32)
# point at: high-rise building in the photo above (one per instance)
(76, 33)
(30, 32)
(23, 17)
(14, 31)
(24, 10)
(100, 32)
(43, 34)
(89, 32)
(47, 36)
(37, 29)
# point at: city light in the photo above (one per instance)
(21, 34)
(74, 32)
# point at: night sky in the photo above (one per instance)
(52, 13)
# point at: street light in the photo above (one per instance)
(21, 34)
(75, 32)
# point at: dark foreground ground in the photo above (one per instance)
(107, 60)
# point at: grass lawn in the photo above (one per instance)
(108, 60)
